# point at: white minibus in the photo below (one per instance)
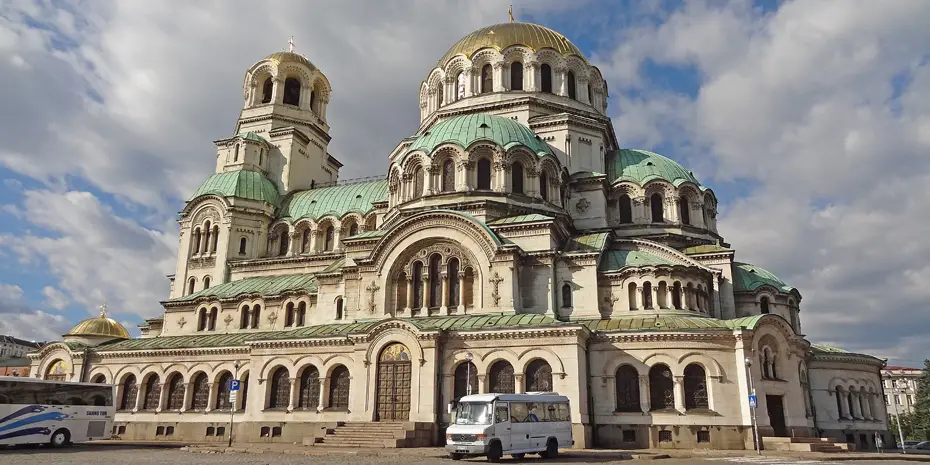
(493, 425)
(57, 413)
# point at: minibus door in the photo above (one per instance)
(502, 426)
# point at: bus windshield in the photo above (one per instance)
(473, 413)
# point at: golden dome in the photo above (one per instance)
(289, 57)
(100, 326)
(501, 36)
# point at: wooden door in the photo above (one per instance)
(394, 391)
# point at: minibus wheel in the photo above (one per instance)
(60, 438)
(455, 456)
(552, 449)
(495, 452)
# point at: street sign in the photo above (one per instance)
(232, 397)
(233, 385)
(752, 401)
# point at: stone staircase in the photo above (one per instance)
(375, 435)
(806, 445)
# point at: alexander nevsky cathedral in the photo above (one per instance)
(514, 245)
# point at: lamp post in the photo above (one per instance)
(468, 358)
(894, 405)
(752, 390)
(232, 403)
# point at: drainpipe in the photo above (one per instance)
(591, 420)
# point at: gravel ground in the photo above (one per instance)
(161, 456)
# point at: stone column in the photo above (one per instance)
(482, 384)
(639, 297)
(188, 396)
(684, 297)
(424, 306)
(669, 302)
(498, 76)
(582, 91)
(319, 404)
(277, 90)
(866, 400)
(715, 297)
(313, 234)
(323, 102)
(531, 70)
(292, 398)
(644, 394)
(655, 297)
(518, 387)
(204, 238)
(680, 393)
(305, 92)
(211, 397)
(444, 309)
(561, 74)
(162, 397)
(409, 295)
(337, 239)
(291, 248)
(844, 404)
(469, 82)
(856, 406)
(461, 306)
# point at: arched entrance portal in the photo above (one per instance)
(394, 375)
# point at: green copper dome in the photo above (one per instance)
(467, 129)
(335, 200)
(641, 166)
(748, 278)
(243, 184)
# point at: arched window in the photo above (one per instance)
(242, 244)
(305, 241)
(590, 95)
(216, 238)
(544, 186)
(211, 321)
(339, 388)
(484, 174)
(695, 387)
(245, 390)
(130, 391)
(566, 295)
(684, 210)
(283, 243)
(764, 304)
(236, 154)
(280, 389)
(661, 388)
(516, 177)
(206, 282)
(328, 239)
(572, 93)
(454, 285)
(417, 285)
(460, 86)
(501, 378)
(838, 394)
(292, 91)
(190, 285)
(676, 295)
(516, 76)
(626, 209)
(487, 79)
(435, 281)
(244, 317)
(209, 232)
(353, 229)
(301, 314)
(195, 239)
(256, 314)
(466, 375)
(152, 393)
(655, 203)
(339, 312)
(222, 392)
(309, 394)
(440, 93)
(448, 176)
(267, 88)
(201, 396)
(538, 376)
(289, 314)
(417, 183)
(175, 392)
(647, 295)
(313, 99)
(545, 75)
(627, 381)
(201, 319)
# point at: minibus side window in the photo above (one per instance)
(501, 414)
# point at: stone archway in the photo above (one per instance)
(394, 383)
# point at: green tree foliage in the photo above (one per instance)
(920, 416)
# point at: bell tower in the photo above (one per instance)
(284, 111)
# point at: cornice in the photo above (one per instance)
(172, 352)
(650, 336)
(291, 259)
(290, 130)
(268, 116)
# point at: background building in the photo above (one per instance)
(900, 386)
(14, 347)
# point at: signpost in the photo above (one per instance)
(234, 385)
(752, 404)
(752, 400)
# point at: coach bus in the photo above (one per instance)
(56, 413)
(492, 425)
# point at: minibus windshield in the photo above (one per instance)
(473, 413)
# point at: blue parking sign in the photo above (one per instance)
(234, 385)
(752, 401)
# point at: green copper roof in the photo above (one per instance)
(335, 200)
(243, 184)
(707, 248)
(641, 166)
(672, 322)
(615, 260)
(367, 234)
(467, 129)
(586, 243)
(265, 285)
(748, 277)
(821, 349)
(252, 136)
(520, 219)
(828, 349)
(180, 342)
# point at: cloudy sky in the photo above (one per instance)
(810, 119)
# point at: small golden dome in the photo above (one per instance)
(100, 326)
(289, 57)
(501, 36)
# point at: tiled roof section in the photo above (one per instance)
(531, 218)
(822, 349)
(702, 249)
(481, 322)
(180, 342)
(335, 200)
(241, 183)
(466, 129)
(335, 266)
(641, 166)
(586, 243)
(252, 136)
(615, 260)
(672, 322)
(748, 278)
(14, 362)
(265, 285)
(367, 234)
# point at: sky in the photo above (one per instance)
(809, 119)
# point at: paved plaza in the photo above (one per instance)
(82, 455)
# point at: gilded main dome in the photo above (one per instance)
(289, 57)
(99, 326)
(501, 36)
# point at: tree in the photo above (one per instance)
(920, 416)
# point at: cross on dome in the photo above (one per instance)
(103, 310)
(510, 12)
(290, 45)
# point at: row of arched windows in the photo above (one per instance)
(206, 319)
(192, 284)
(435, 283)
(292, 90)
(501, 378)
(323, 239)
(657, 210)
(661, 388)
(308, 389)
(853, 404)
(517, 81)
(649, 296)
(484, 180)
(202, 396)
(204, 239)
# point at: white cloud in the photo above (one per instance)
(55, 298)
(17, 319)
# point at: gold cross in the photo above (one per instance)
(510, 12)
